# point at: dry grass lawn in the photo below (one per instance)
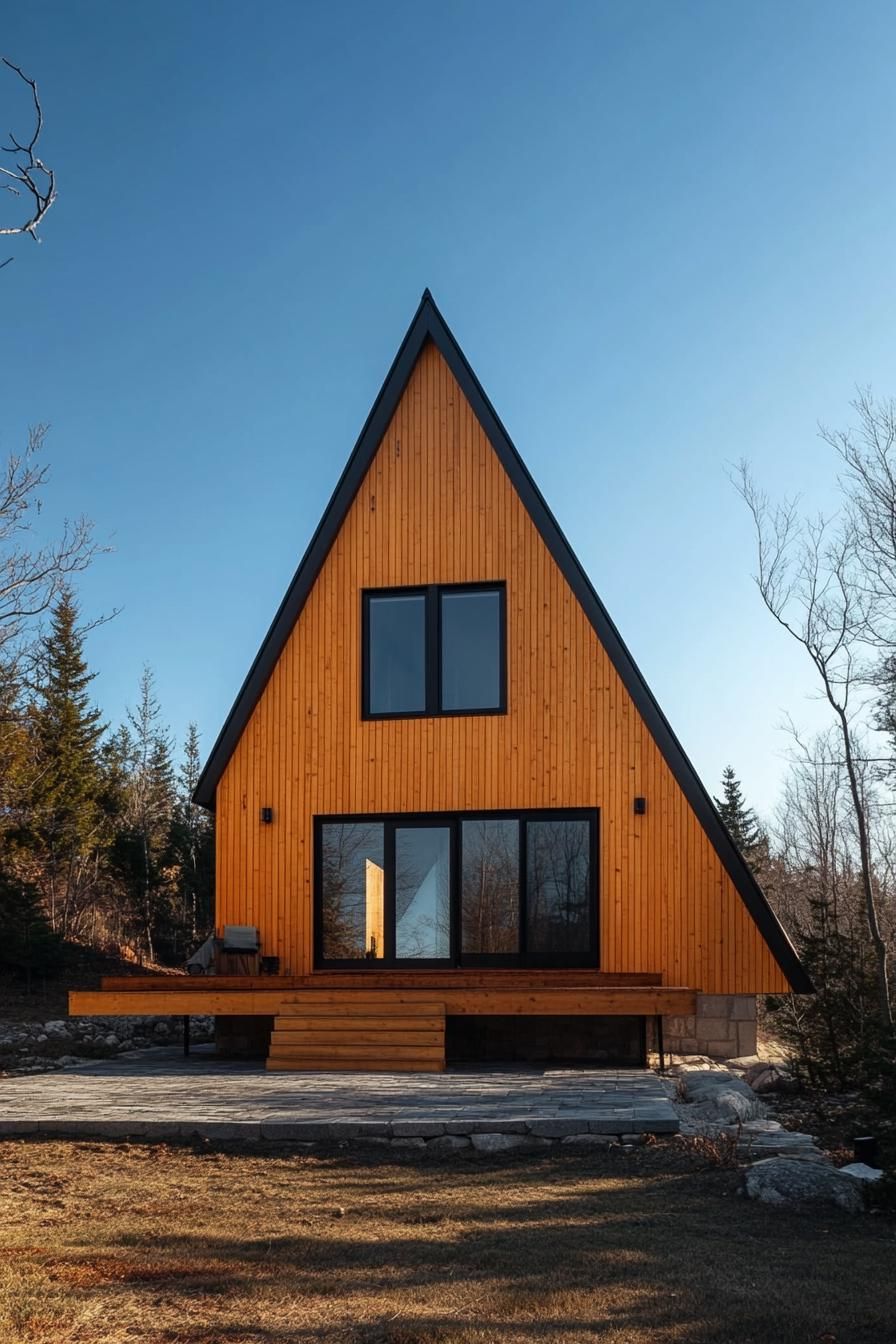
(105, 1243)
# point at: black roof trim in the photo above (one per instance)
(429, 325)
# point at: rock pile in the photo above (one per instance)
(37, 1047)
(783, 1167)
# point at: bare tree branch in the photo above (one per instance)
(30, 178)
(868, 454)
(31, 577)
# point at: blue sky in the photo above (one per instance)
(663, 234)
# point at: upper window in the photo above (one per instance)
(435, 650)
(396, 653)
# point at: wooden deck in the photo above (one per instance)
(393, 1020)
(636, 1000)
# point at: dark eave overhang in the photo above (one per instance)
(429, 325)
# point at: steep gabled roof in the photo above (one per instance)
(429, 325)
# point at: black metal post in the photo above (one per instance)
(186, 1035)
(864, 1149)
(660, 1044)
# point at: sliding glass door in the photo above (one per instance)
(469, 889)
(422, 893)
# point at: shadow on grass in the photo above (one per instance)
(541, 1251)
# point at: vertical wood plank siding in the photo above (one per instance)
(437, 507)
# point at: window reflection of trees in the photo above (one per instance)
(346, 852)
(490, 894)
(557, 896)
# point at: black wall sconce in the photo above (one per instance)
(640, 806)
(267, 815)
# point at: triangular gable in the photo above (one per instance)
(429, 325)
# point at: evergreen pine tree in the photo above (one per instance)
(16, 759)
(67, 816)
(192, 845)
(143, 753)
(740, 820)
(28, 945)
(833, 1035)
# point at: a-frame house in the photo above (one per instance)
(445, 796)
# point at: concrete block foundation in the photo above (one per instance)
(723, 1027)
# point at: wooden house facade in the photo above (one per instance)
(446, 797)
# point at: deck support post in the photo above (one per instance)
(660, 1044)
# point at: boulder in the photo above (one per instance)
(860, 1171)
(784, 1143)
(447, 1143)
(782, 1181)
(699, 1083)
(58, 1029)
(502, 1143)
(768, 1077)
(723, 1107)
(744, 1063)
(717, 1095)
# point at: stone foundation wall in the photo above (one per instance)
(724, 1027)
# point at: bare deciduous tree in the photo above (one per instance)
(812, 579)
(32, 575)
(29, 179)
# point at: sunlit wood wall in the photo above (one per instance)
(437, 507)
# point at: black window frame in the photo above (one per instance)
(432, 594)
(457, 959)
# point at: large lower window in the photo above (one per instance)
(436, 650)
(495, 888)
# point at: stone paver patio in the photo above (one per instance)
(162, 1094)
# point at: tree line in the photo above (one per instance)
(100, 841)
(805, 859)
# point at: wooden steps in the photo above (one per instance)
(358, 1033)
